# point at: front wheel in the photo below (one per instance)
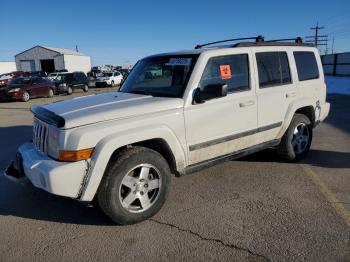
(135, 185)
(69, 90)
(25, 96)
(296, 142)
(51, 93)
(85, 88)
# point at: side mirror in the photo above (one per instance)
(210, 92)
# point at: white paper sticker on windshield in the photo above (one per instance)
(180, 61)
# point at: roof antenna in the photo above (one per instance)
(76, 48)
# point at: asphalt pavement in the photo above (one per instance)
(253, 209)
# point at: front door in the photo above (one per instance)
(223, 125)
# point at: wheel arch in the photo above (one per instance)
(167, 145)
(303, 106)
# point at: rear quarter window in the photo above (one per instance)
(306, 65)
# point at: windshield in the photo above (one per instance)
(160, 75)
(62, 77)
(107, 74)
(19, 81)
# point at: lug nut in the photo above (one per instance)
(141, 193)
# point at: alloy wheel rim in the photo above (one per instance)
(25, 96)
(301, 137)
(140, 188)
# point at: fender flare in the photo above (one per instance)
(109, 144)
(293, 107)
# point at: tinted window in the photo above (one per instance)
(36, 80)
(306, 65)
(232, 70)
(160, 75)
(273, 69)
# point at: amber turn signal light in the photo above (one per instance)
(75, 155)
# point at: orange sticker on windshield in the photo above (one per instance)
(225, 71)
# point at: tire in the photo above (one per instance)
(25, 96)
(112, 83)
(85, 88)
(69, 90)
(51, 93)
(296, 141)
(135, 185)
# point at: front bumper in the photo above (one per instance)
(103, 83)
(11, 96)
(59, 178)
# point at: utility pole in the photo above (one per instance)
(317, 39)
(333, 45)
(76, 48)
(326, 49)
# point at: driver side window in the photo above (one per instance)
(232, 70)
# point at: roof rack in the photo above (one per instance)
(257, 39)
(260, 41)
(297, 40)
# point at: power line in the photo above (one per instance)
(317, 39)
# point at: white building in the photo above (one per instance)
(7, 67)
(49, 59)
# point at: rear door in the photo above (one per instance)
(275, 90)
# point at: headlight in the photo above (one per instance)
(53, 142)
(14, 90)
(63, 85)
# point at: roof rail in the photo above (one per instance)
(258, 39)
(297, 40)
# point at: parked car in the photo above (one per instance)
(53, 76)
(37, 74)
(5, 78)
(109, 79)
(68, 82)
(206, 106)
(26, 88)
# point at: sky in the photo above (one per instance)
(121, 32)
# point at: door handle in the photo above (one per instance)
(291, 94)
(248, 103)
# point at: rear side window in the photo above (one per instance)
(232, 70)
(306, 65)
(273, 69)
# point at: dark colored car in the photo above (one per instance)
(67, 82)
(5, 78)
(37, 73)
(24, 89)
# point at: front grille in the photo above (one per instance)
(40, 134)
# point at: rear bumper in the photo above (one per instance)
(59, 178)
(324, 111)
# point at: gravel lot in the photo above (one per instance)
(252, 209)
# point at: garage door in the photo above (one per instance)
(27, 65)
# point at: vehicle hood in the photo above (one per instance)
(108, 106)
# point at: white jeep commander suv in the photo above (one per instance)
(202, 107)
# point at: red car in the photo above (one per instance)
(5, 78)
(25, 88)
